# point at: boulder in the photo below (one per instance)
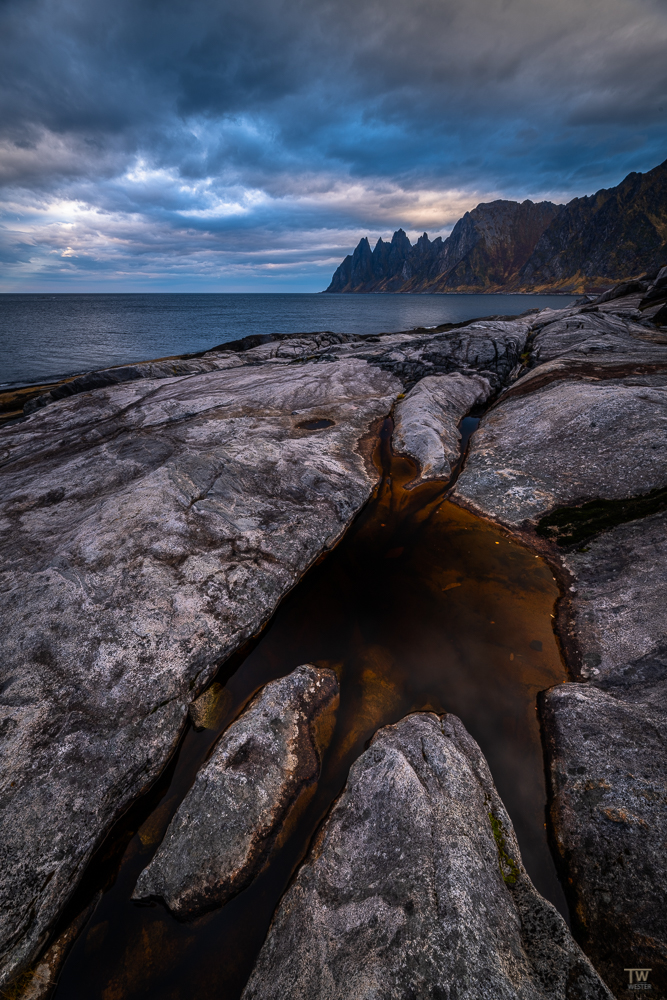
(148, 529)
(415, 888)
(225, 827)
(426, 421)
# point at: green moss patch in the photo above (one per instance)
(509, 869)
(573, 525)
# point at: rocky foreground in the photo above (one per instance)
(152, 519)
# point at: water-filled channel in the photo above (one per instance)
(421, 606)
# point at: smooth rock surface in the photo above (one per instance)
(608, 776)
(585, 419)
(623, 369)
(619, 609)
(148, 529)
(166, 368)
(415, 888)
(223, 830)
(564, 444)
(426, 421)
(152, 525)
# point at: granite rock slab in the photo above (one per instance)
(607, 771)
(415, 888)
(148, 529)
(564, 444)
(584, 334)
(619, 612)
(426, 421)
(606, 750)
(167, 368)
(586, 419)
(490, 347)
(587, 422)
(225, 827)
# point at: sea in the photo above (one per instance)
(45, 337)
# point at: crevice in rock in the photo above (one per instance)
(569, 527)
(421, 606)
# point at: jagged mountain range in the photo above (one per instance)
(586, 245)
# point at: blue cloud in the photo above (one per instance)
(213, 139)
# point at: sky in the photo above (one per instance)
(213, 145)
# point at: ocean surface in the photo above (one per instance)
(46, 336)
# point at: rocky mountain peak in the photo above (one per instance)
(453, 262)
(613, 235)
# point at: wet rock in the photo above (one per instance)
(426, 421)
(225, 827)
(564, 444)
(38, 983)
(208, 710)
(608, 777)
(415, 887)
(581, 438)
(148, 530)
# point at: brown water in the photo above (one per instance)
(421, 606)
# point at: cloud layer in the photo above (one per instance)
(210, 145)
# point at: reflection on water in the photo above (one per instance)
(421, 606)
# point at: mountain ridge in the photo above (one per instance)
(506, 246)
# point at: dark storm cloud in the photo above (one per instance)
(184, 134)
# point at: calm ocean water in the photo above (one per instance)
(45, 336)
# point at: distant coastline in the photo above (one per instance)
(483, 291)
